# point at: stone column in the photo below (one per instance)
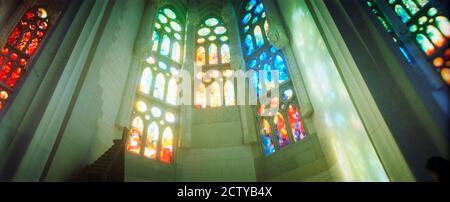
(238, 63)
(278, 37)
(188, 65)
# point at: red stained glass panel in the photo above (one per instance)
(21, 45)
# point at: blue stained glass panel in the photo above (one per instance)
(250, 5)
(249, 44)
(259, 8)
(402, 13)
(266, 136)
(246, 18)
(252, 64)
(263, 56)
(281, 67)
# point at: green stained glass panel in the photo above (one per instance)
(204, 31)
(402, 13)
(220, 30)
(162, 18)
(411, 6)
(169, 13)
(211, 22)
(175, 26)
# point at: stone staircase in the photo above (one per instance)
(108, 168)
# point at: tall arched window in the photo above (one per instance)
(213, 53)
(155, 112)
(284, 127)
(21, 45)
(428, 27)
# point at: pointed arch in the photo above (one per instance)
(225, 52)
(281, 130)
(166, 154)
(266, 138)
(160, 83)
(155, 39)
(146, 81)
(213, 54)
(249, 45)
(172, 90)
(402, 13)
(135, 135)
(151, 145)
(435, 35)
(229, 93)
(176, 52)
(258, 36)
(165, 46)
(425, 44)
(201, 56)
(444, 25)
(296, 124)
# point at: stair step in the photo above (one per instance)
(95, 171)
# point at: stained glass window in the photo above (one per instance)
(212, 53)
(213, 35)
(249, 44)
(160, 83)
(152, 133)
(137, 129)
(266, 138)
(172, 92)
(225, 50)
(21, 45)
(430, 29)
(146, 81)
(167, 145)
(151, 146)
(215, 95)
(280, 128)
(229, 93)
(201, 56)
(200, 96)
(295, 123)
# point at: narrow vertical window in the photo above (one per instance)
(153, 134)
(212, 53)
(266, 138)
(229, 93)
(137, 129)
(151, 146)
(167, 146)
(21, 45)
(146, 81)
(261, 55)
